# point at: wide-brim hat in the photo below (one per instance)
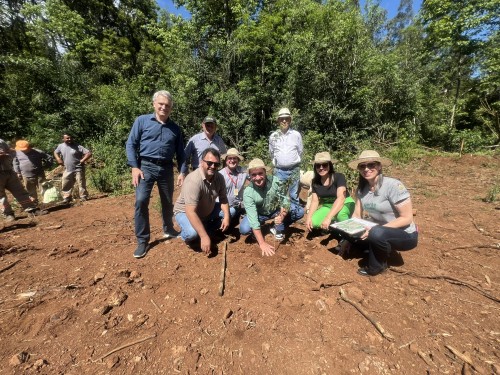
(367, 156)
(232, 152)
(256, 164)
(284, 112)
(22, 145)
(323, 157)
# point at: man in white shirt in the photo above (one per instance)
(285, 147)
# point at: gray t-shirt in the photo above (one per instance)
(381, 206)
(198, 191)
(71, 154)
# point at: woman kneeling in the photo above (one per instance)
(330, 198)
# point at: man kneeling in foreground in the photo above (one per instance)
(196, 210)
(267, 198)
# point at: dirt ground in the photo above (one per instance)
(73, 300)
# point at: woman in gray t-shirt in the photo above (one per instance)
(387, 202)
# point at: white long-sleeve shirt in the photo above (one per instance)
(285, 148)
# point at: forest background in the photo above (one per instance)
(353, 78)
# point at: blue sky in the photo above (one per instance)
(390, 5)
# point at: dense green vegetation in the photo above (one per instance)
(352, 77)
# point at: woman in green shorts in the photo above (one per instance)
(330, 198)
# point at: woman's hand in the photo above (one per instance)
(364, 236)
(309, 223)
(326, 223)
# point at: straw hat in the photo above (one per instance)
(284, 112)
(232, 152)
(323, 157)
(22, 145)
(256, 164)
(367, 156)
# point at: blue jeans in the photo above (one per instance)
(296, 213)
(211, 224)
(163, 175)
(286, 174)
(382, 241)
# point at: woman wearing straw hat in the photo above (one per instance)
(388, 203)
(330, 197)
(235, 177)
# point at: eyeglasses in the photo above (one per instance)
(256, 174)
(233, 158)
(363, 166)
(321, 165)
(211, 164)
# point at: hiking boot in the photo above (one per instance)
(171, 233)
(141, 251)
(66, 200)
(277, 235)
(9, 218)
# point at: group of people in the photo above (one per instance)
(216, 191)
(22, 173)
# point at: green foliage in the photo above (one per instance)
(493, 194)
(404, 152)
(260, 149)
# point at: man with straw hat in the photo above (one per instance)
(235, 177)
(30, 167)
(285, 147)
(266, 199)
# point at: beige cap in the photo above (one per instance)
(367, 156)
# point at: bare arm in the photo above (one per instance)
(267, 250)
(198, 226)
(336, 207)
(58, 158)
(405, 210)
(86, 157)
(227, 218)
(312, 210)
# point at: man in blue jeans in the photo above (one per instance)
(196, 209)
(264, 199)
(151, 146)
(285, 148)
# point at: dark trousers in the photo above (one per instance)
(382, 241)
(163, 175)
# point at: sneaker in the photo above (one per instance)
(66, 200)
(9, 218)
(277, 235)
(171, 233)
(365, 271)
(37, 212)
(141, 250)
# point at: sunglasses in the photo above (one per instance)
(363, 166)
(256, 174)
(321, 165)
(212, 164)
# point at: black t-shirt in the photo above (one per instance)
(328, 194)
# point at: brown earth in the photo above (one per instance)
(77, 302)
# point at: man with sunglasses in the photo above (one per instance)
(199, 143)
(285, 147)
(196, 210)
(151, 146)
(265, 199)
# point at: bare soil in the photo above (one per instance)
(73, 300)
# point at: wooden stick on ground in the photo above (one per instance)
(376, 324)
(449, 279)
(10, 266)
(126, 346)
(223, 271)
